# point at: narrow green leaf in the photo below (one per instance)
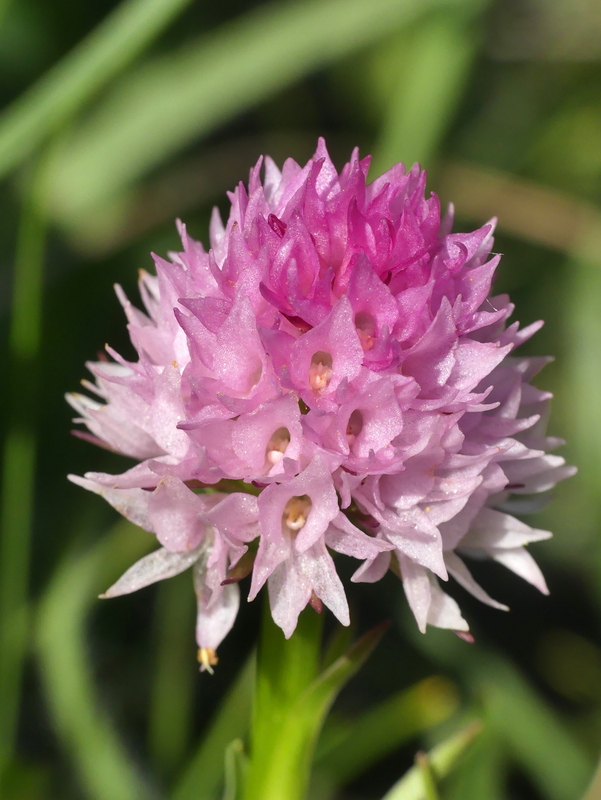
(337, 645)
(441, 761)
(64, 89)
(204, 775)
(81, 722)
(167, 103)
(357, 744)
(534, 733)
(582, 381)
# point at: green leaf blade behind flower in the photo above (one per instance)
(204, 774)
(62, 91)
(432, 67)
(167, 103)
(85, 730)
(537, 738)
(362, 742)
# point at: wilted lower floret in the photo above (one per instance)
(337, 355)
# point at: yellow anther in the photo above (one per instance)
(207, 658)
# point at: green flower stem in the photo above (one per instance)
(19, 462)
(280, 764)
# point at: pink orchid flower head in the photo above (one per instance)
(333, 376)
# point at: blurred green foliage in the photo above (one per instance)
(118, 118)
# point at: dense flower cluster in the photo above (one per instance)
(331, 375)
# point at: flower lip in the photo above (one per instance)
(277, 445)
(296, 513)
(354, 426)
(320, 371)
(366, 329)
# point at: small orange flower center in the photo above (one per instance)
(320, 372)
(366, 329)
(296, 512)
(354, 426)
(277, 445)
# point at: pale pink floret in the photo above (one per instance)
(338, 353)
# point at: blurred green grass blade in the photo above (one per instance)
(4, 6)
(98, 755)
(95, 60)
(441, 759)
(358, 744)
(167, 103)
(594, 790)
(534, 735)
(480, 774)
(19, 461)
(175, 673)
(204, 775)
(582, 326)
(15, 545)
(432, 67)
(429, 782)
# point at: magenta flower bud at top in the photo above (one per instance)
(332, 376)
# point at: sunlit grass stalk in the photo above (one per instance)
(19, 462)
(422, 763)
(418, 783)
